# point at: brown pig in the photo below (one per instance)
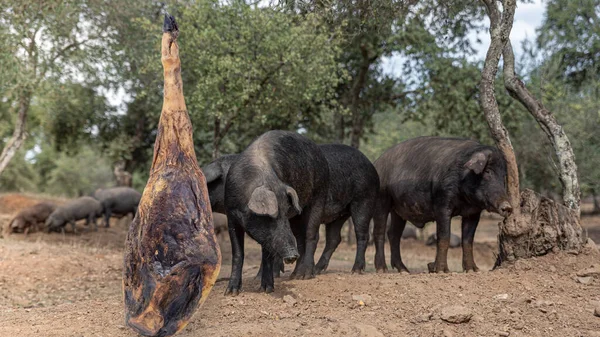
(172, 257)
(30, 217)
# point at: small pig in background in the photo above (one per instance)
(30, 218)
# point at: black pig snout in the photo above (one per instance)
(505, 209)
(291, 258)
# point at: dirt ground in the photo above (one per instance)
(70, 285)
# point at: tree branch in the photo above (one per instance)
(567, 168)
(500, 27)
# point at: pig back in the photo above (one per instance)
(42, 211)
(81, 208)
(299, 163)
(119, 199)
(418, 173)
(422, 161)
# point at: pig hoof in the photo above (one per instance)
(232, 291)
(302, 273)
(433, 268)
(381, 270)
(471, 269)
(358, 268)
(380, 265)
(400, 267)
(266, 289)
(319, 269)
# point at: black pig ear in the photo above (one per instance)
(478, 162)
(212, 172)
(263, 202)
(294, 196)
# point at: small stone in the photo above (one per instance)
(593, 271)
(522, 265)
(542, 303)
(289, 300)
(501, 297)
(597, 311)
(502, 333)
(544, 310)
(552, 269)
(585, 280)
(364, 298)
(519, 326)
(121, 327)
(456, 314)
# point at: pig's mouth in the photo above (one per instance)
(291, 258)
(504, 209)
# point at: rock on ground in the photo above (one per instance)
(456, 314)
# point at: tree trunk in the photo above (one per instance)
(567, 168)
(19, 135)
(550, 227)
(538, 225)
(500, 27)
(357, 129)
(339, 127)
(123, 177)
(359, 84)
(596, 204)
(216, 138)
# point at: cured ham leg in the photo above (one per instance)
(172, 257)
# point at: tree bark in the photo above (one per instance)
(339, 127)
(550, 227)
(596, 209)
(359, 84)
(538, 225)
(18, 137)
(216, 138)
(567, 168)
(500, 27)
(123, 177)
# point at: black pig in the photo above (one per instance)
(280, 176)
(215, 174)
(433, 179)
(118, 201)
(81, 208)
(353, 186)
(352, 192)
